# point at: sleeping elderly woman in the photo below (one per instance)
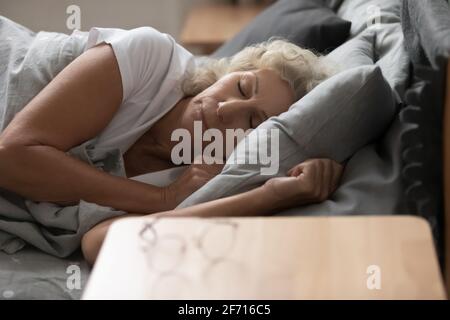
(131, 90)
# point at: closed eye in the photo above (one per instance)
(240, 89)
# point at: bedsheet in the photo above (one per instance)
(28, 62)
(32, 274)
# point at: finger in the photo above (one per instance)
(303, 172)
(337, 173)
(318, 178)
(309, 180)
(296, 170)
(327, 177)
(333, 173)
(289, 173)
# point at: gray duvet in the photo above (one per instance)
(32, 274)
(33, 235)
(28, 62)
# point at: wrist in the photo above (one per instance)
(261, 200)
(273, 200)
(168, 197)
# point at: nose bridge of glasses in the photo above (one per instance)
(148, 233)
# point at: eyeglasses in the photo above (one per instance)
(166, 251)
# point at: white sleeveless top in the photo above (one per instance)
(152, 66)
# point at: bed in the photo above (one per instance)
(407, 167)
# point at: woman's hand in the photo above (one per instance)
(311, 181)
(195, 176)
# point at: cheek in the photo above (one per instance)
(286, 107)
(282, 105)
(221, 89)
(275, 109)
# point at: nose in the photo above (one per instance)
(230, 111)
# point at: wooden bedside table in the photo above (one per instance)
(356, 257)
(207, 27)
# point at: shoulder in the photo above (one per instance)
(140, 39)
(149, 49)
(146, 58)
(156, 52)
(150, 37)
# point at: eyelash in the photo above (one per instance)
(240, 89)
(243, 95)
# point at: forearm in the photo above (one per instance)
(256, 202)
(304, 185)
(43, 173)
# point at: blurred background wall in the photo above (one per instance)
(50, 15)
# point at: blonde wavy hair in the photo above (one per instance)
(301, 68)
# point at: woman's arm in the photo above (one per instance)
(251, 203)
(309, 182)
(73, 108)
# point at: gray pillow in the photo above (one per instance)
(392, 57)
(356, 52)
(388, 45)
(334, 120)
(307, 23)
(366, 13)
(333, 4)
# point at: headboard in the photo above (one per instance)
(426, 154)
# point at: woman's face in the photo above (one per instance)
(241, 100)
